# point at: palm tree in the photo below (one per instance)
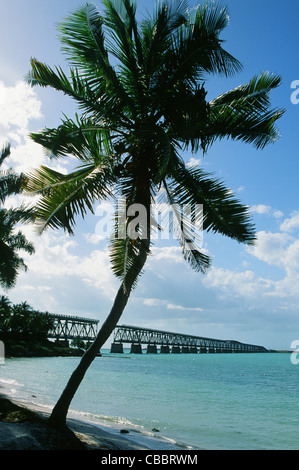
(5, 314)
(140, 88)
(10, 241)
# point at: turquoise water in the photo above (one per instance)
(208, 401)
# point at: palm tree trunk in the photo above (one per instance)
(58, 416)
(60, 410)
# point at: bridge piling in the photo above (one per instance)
(116, 348)
(136, 348)
(151, 349)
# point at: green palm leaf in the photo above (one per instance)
(187, 226)
(244, 114)
(140, 112)
(130, 242)
(10, 244)
(63, 197)
(85, 139)
(222, 212)
(83, 42)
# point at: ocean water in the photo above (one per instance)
(208, 401)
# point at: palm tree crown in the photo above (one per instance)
(11, 242)
(140, 87)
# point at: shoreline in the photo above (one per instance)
(25, 428)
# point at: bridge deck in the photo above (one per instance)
(66, 327)
(179, 342)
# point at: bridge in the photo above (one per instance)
(174, 342)
(66, 327)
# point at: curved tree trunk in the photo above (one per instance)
(60, 410)
(59, 413)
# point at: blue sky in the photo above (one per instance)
(250, 295)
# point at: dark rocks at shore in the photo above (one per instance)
(46, 349)
(23, 429)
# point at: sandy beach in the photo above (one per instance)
(24, 427)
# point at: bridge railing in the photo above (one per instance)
(137, 336)
(66, 327)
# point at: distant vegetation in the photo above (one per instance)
(12, 241)
(21, 321)
(25, 331)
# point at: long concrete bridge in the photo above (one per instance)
(174, 342)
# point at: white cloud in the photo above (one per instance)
(233, 284)
(169, 254)
(18, 105)
(181, 307)
(26, 156)
(270, 247)
(193, 162)
(261, 209)
(291, 223)
(59, 256)
(278, 214)
(277, 249)
(280, 250)
(93, 238)
(153, 302)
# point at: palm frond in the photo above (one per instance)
(222, 212)
(158, 32)
(5, 152)
(130, 245)
(195, 51)
(10, 183)
(10, 244)
(187, 225)
(10, 266)
(244, 114)
(83, 42)
(91, 95)
(85, 139)
(63, 197)
(204, 43)
(254, 94)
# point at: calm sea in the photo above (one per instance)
(208, 401)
